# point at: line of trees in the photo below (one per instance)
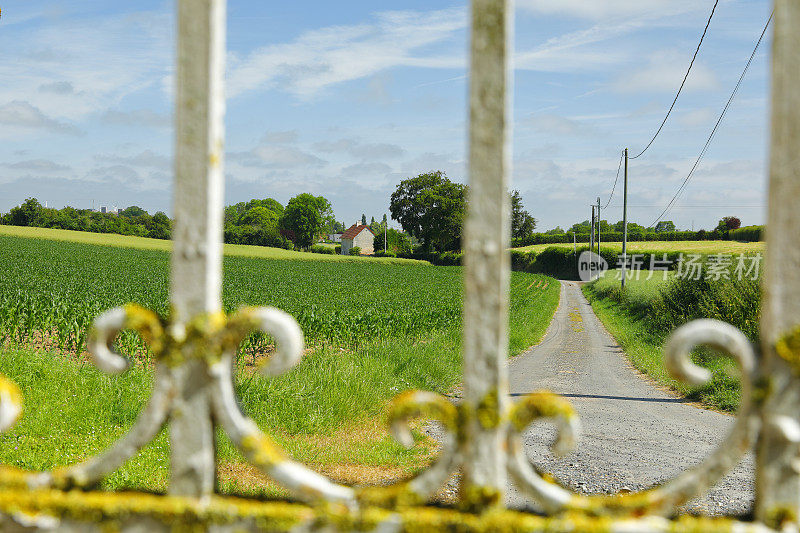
(131, 221)
(431, 208)
(257, 222)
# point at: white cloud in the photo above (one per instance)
(274, 156)
(360, 150)
(147, 158)
(375, 170)
(289, 136)
(69, 67)
(320, 58)
(22, 114)
(664, 72)
(57, 87)
(609, 9)
(286, 157)
(698, 117)
(139, 117)
(39, 165)
(556, 124)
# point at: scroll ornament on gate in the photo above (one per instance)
(214, 338)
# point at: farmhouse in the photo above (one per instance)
(358, 235)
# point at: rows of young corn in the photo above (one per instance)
(50, 292)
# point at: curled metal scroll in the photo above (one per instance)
(664, 499)
(265, 454)
(150, 421)
(258, 447)
(418, 490)
(10, 404)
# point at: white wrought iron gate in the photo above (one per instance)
(193, 391)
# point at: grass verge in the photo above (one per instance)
(629, 318)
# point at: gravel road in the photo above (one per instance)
(634, 434)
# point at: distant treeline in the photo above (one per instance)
(745, 234)
(131, 221)
(257, 222)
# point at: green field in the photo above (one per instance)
(143, 243)
(374, 329)
(693, 247)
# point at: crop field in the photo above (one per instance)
(691, 247)
(373, 329)
(58, 289)
(144, 243)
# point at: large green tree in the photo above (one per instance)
(305, 217)
(522, 223)
(431, 208)
(262, 218)
(729, 223)
(664, 226)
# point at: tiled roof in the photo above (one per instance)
(354, 230)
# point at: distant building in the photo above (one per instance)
(335, 237)
(358, 235)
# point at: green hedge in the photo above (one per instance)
(562, 263)
(320, 249)
(746, 234)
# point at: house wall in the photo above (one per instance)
(346, 245)
(365, 241)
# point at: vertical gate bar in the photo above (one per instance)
(197, 248)
(777, 474)
(486, 257)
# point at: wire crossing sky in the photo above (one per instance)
(346, 99)
(716, 126)
(683, 82)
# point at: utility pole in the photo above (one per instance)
(574, 244)
(591, 232)
(625, 219)
(385, 232)
(598, 225)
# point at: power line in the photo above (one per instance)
(622, 155)
(716, 126)
(682, 83)
(699, 206)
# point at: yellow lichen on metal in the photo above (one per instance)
(147, 324)
(413, 404)
(779, 517)
(204, 333)
(788, 348)
(476, 499)
(634, 504)
(99, 507)
(14, 478)
(488, 410)
(186, 514)
(238, 327)
(391, 497)
(262, 450)
(537, 405)
(10, 399)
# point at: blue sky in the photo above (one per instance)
(346, 99)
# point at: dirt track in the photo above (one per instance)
(634, 434)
